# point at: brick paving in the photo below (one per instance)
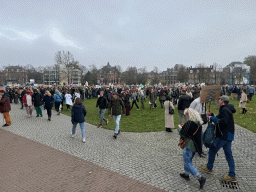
(30, 166)
(150, 160)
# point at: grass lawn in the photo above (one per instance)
(146, 120)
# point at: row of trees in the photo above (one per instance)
(132, 75)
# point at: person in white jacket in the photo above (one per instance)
(68, 99)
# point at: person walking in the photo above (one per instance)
(134, 100)
(115, 109)
(183, 103)
(162, 97)
(127, 102)
(28, 103)
(68, 99)
(48, 104)
(224, 136)
(169, 122)
(243, 101)
(102, 103)
(5, 107)
(78, 113)
(142, 100)
(191, 133)
(37, 99)
(57, 100)
(152, 98)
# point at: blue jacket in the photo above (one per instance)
(78, 113)
(48, 101)
(58, 98)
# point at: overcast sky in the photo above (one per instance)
(137, 33)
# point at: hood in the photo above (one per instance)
(231, 108)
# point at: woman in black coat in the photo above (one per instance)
(48, 101)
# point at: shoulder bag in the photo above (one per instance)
(171, 110)
(182, 143)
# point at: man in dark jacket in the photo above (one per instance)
(5, 107)
(116, 104)
(225, 129)
(103, 105)
(184, 102)
(37, 99)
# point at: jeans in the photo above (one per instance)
(226, 145)
(187, 160)
(117, 119)
(57, 106)
(81, 126)
(101, 115)
(181, 114)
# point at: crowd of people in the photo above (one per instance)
(121, 100)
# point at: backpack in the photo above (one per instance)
(209, 136)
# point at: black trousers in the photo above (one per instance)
(49, 112)
(134, 102)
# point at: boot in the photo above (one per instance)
(168, 129)
(202, 182)
(115, 135)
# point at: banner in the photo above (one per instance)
(210, 93)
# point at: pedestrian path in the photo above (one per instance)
(150, 158)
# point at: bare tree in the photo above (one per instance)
(251, 61)
(183, 74)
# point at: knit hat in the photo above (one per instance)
(224, 98)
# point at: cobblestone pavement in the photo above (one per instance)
(153, 158)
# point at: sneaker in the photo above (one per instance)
(37, 116)
(72, 135)
(204, 167)
(41, 115)
(58, 113)
(184, 176)
(115, 135)
(107, 122)
(5, 125)
(228, 178)
(83, 140)
(118, 132)
(99, 126)
(202, 182)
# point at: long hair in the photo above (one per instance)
(194, 116)
(48, 93)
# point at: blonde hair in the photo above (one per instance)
(48, 93)
(193, 116)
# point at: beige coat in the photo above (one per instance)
(243, 100)
(169, 122)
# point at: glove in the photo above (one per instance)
(214, 119)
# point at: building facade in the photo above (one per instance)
(14, 75)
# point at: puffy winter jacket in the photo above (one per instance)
(78, 113)
(5, 105)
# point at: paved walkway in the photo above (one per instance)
(33, 159)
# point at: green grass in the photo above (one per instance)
(146, 120)
(248, 120)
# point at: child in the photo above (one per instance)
(77, 116)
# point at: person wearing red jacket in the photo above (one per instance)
(5, 107)
(27, 100)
